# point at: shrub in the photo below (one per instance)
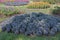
(56, 11)
(38, 5)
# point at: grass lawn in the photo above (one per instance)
(11, 36)
(2, 19)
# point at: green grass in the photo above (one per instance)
(2, 19)
(11, 36)
(39, 10)
(2, 4)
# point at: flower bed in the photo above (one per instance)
(38, 5)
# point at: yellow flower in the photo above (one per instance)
(38, 4)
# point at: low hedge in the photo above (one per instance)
(38, 5)
(56, 11)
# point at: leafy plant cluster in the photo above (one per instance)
(32, 24)
(38, 5)
(8, 11)
(50, 1)
(56, 10)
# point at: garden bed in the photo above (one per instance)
(11, 36)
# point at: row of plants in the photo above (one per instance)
(9, 11)
(50, 1)
(38, 5)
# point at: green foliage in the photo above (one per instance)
(11, 36)
(56, 10)
(50, 1)
(8, 11)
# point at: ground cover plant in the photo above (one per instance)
(32, 24)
